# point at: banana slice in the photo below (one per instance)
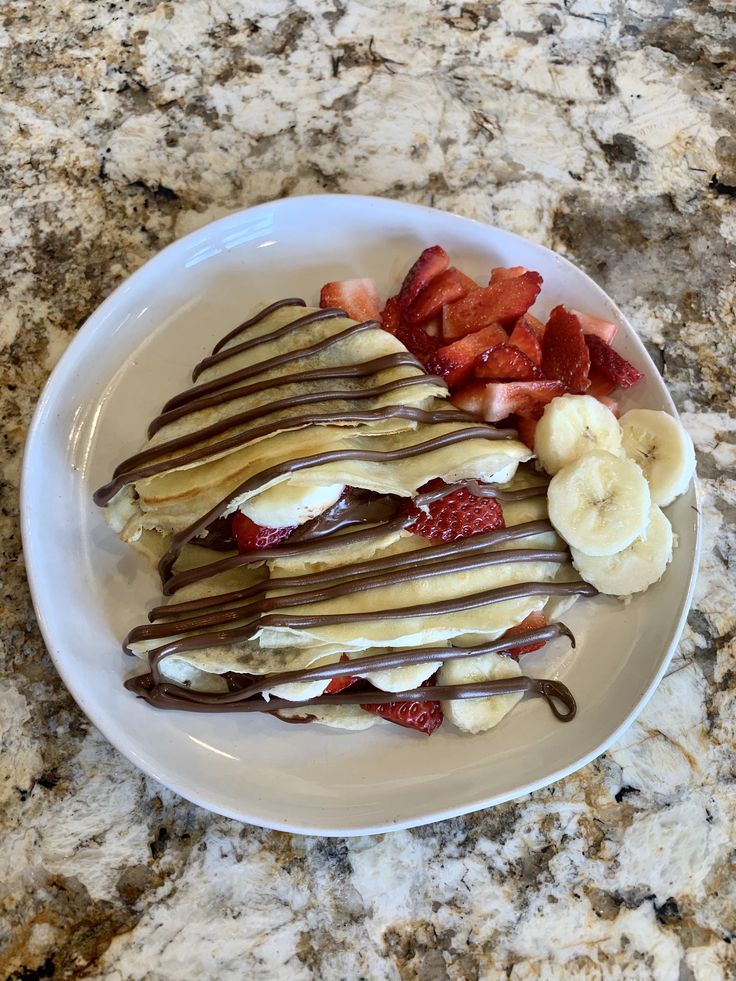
(600, 503)
(663, 450)
(478, 714)
(635, 568)
(571, 426)
(290, 503)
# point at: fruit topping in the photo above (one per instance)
(501, 273)
(526, 427)
(459, 514)
(497, 400)
(357, 297)
(506, 363)
(525, 337)
(449, 286)
(249, 535)
(454, 362)
(502, 302)
(342, 681)
(565, 354)
(422, 716)
(611, 365)
(533, 622)
(594, 325)
(430, 264)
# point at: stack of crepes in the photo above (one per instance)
(304, 419)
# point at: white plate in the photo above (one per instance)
(136, 350)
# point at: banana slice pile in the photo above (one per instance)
(610, 480)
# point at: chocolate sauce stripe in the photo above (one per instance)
(290, 301)
(361, 666)
(289, 467)
(327, 313)
(259, 367)
(499, 594)
(341, 588)
(103, 495)
(432, 553)
(362, 370)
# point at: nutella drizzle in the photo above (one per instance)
(290, 301)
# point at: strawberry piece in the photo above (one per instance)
(610, 403)
(497, 400)
(459, 514)
(357, 297)
(454, 362)
(342, 681)
(525, 338)
(449, 286)
(534, 621)
(249, 535)
(506, 363)
(565, 354)
(430, 264)
(535, 325)
(422, 716)
(416, 339)
(610, 364)
(599, 385)
(594, 325)
(526, 426)
(502, 302)
(501, 273)
(391, 315)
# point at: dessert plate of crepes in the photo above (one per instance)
(344, 515)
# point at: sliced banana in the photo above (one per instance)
(571, 426)
(662, 448)
(478, 714)
(289, 503)
(600, 503)
(635, 568)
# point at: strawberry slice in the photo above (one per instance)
(341, 682)
(497, 400)
(534, 621)
(594, 325)
(430, 264)
(535, 325)
(454, 362)
(416, 339)
(449, 286)
(502, 302)
(422, 716)
(610, 364)
(391, 315)
(501, 273)
(565, 354)
(357, 297)
(525, 338)
(599, 385)
(526, 426)
(249, 535)
(459, 514)
(506, 363)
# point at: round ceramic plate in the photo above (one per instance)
(136, 350)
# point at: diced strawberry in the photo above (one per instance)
(459, 514)
(249, 535)
(526, 426)
(391, 315)
(497, 400)
(415, 339)
(565, 354)
(535, 325)
(599, 385)
(430, 264)
(610, 403)
(525, 338)
(357, 297)
(449, 286)
(594, 325)
(533, 622)
(342, 681)
(500, 273)
(422, 716)
(504, 362)
(454, 362)
(610, 364)
(502, 302)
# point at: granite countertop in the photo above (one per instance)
(605, 130)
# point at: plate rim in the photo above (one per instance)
(94, 323)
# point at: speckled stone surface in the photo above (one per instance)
(606, 130)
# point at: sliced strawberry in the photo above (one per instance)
(391, 315)
(525, 338)
(610, 364)
(249, 535)
(454, 362)
(341, 682)
(610, 403)
(526, 426)
(430, 264)
(502, 302)
(594, 325)
(416, 339)
(535, 325)
(449, 286)
(565, 355)
(357, 297)
(533, 622)
(422, 716)
(506, 363)
(497, 400)
(459, 514)
(599, 385)
(501, 273)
